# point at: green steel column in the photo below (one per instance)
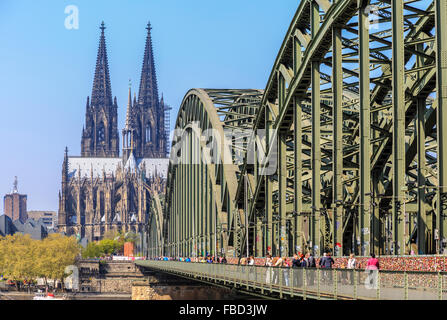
(205, 199)
(316, 150)
(182, 205)
(259, 234)
(210, 218)
(365, 130)
(282, 181)
(202, 193)
(422, 215)
(441, 77)
(269, 186)
(173, 225)
(185, 199)
(398, 68)
(208, 200)
(199, 195)
(259, 252)
(184, 202)
(193, 191)
(298, 167)
(282, 173)
(337, 151)
(189, 194)
(177, 211)
(298, 196)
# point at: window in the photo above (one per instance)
(101, 133)
(148, 133)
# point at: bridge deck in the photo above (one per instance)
(311, 283)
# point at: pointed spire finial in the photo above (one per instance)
(101, 96)
(148, 93)
(102, 27)
(129, 115)
(15, 190)
(148, 28)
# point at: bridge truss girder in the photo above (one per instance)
(350, 125)
(354, 126)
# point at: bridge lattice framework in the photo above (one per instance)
(355, 130)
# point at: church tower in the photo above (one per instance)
(149, 111)
(100, 136)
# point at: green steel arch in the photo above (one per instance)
(355, 129)
(200, 214)
(155, 224)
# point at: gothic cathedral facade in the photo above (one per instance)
(100, 190)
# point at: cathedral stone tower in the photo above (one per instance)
(149, 111)
(101, 191)
(100, 136)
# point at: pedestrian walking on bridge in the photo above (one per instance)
(268, 270)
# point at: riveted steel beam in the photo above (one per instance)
(399, 195)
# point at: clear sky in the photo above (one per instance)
(46, 70)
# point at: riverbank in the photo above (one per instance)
(69, 296)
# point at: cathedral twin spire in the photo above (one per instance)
(100, 136)
(102, 92)
(144, 130)
(148, 94)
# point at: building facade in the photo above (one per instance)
(100, 190)
(49, 218)
(14, 204)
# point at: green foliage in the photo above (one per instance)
(91, 251)
(131, 237)
(23, 259)
(103, 248)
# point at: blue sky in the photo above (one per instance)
(46, 70)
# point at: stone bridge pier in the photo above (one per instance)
(161, 286)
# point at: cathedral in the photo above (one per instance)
(100, 190)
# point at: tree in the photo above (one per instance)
(17, 257)
(24, 259)
(92, 250)
(107, 246)
(63, 252)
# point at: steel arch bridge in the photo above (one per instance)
(352, 123)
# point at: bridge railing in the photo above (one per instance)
(316, 283)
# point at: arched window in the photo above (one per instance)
(101, 133)
(148, 133)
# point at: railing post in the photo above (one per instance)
(305, 283)
(378, 285)
(280, 275)
(248, 274)
(259, 278)
(406, 286)
(334, 271)
(354, 274)
(292, 279)
(318, 283)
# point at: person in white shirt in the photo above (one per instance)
(352, 265)
(268, 264)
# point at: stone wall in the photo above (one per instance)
(108, 276)
(160, 291)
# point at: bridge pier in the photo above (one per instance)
(160, 286)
